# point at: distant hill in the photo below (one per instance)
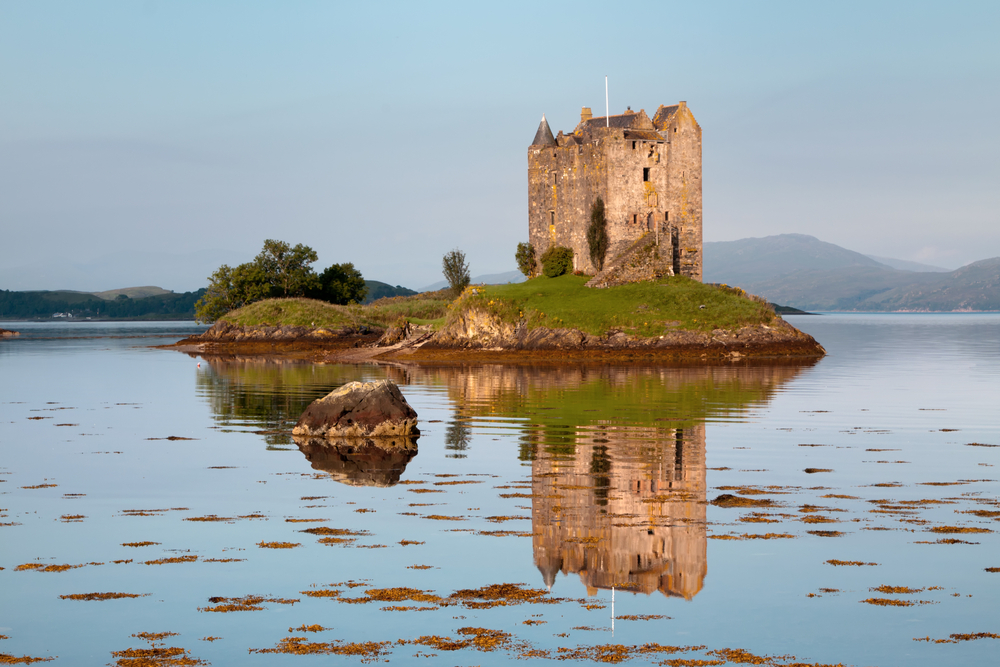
(132, 292)
(905, 265)
(378, 290)
(803, 272)
(485, 279)
(65, 303)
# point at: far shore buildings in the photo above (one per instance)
(647, 171)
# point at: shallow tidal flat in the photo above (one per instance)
(840, 511)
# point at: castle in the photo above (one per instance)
(647, 171)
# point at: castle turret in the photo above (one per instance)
(543, 137)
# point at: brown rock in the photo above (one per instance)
(360, 410)
(7, 333)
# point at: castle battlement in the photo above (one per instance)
(647, 171)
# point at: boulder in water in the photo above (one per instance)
(360, 410)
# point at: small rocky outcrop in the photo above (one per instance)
(648, 258)
(7, 333)
(224, 332)
(360, 410)
(359, 461)
(395, 334)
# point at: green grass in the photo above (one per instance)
(644, 309)
(429, 308)
(293, 312)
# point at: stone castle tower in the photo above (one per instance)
(647, 171)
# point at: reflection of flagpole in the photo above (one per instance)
(612, 611)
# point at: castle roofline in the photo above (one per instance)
(630, 120)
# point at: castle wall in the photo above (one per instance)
(566, 177)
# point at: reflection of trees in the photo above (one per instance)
(457, 437)
(268, 394)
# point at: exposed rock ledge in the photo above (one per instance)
(478, 335)
(7, 333)
(224, 332)
(479, 330)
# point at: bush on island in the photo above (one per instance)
(525, 257)
(556, 261)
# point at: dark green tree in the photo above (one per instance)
(287, 269)
(525, 257)
(341, 284)
(456, 270)
(556, 261)
(597, 234)
(231, 288)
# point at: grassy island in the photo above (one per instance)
(673, 317)
(640, 309)
(427, 307)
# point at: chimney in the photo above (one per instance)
(682, 104)
(585, 114)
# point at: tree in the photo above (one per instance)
(456, 270)
(556, 261)
(525, 257)
(229, 289)
(597, 234)
(341, 284)
(287, 269)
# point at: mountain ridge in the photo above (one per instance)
(804, 272)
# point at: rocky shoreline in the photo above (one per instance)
(479, 336)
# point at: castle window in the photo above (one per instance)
(552, 217)
(645, 174)
(633, 145)
(553, 178)
(666, 216)
(635, 218)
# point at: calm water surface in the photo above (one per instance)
(571, 481)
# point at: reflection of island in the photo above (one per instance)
(268, 394)
(360, 461)
(625, 509)
(617, 457)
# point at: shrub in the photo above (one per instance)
(341, 284)
(556, 261)
(597, 234)
(456, 270)
(525, 257)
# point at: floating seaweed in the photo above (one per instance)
(102, 596)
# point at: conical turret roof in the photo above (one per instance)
(543, 137)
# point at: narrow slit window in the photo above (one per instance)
(552, 217)
(633, 145)
(666, 216)
(635, 218)
(645, 174)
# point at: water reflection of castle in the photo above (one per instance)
(625, 510)
(618, 496)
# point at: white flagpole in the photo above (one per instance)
(607, 107)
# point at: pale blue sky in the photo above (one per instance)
(135, 132)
